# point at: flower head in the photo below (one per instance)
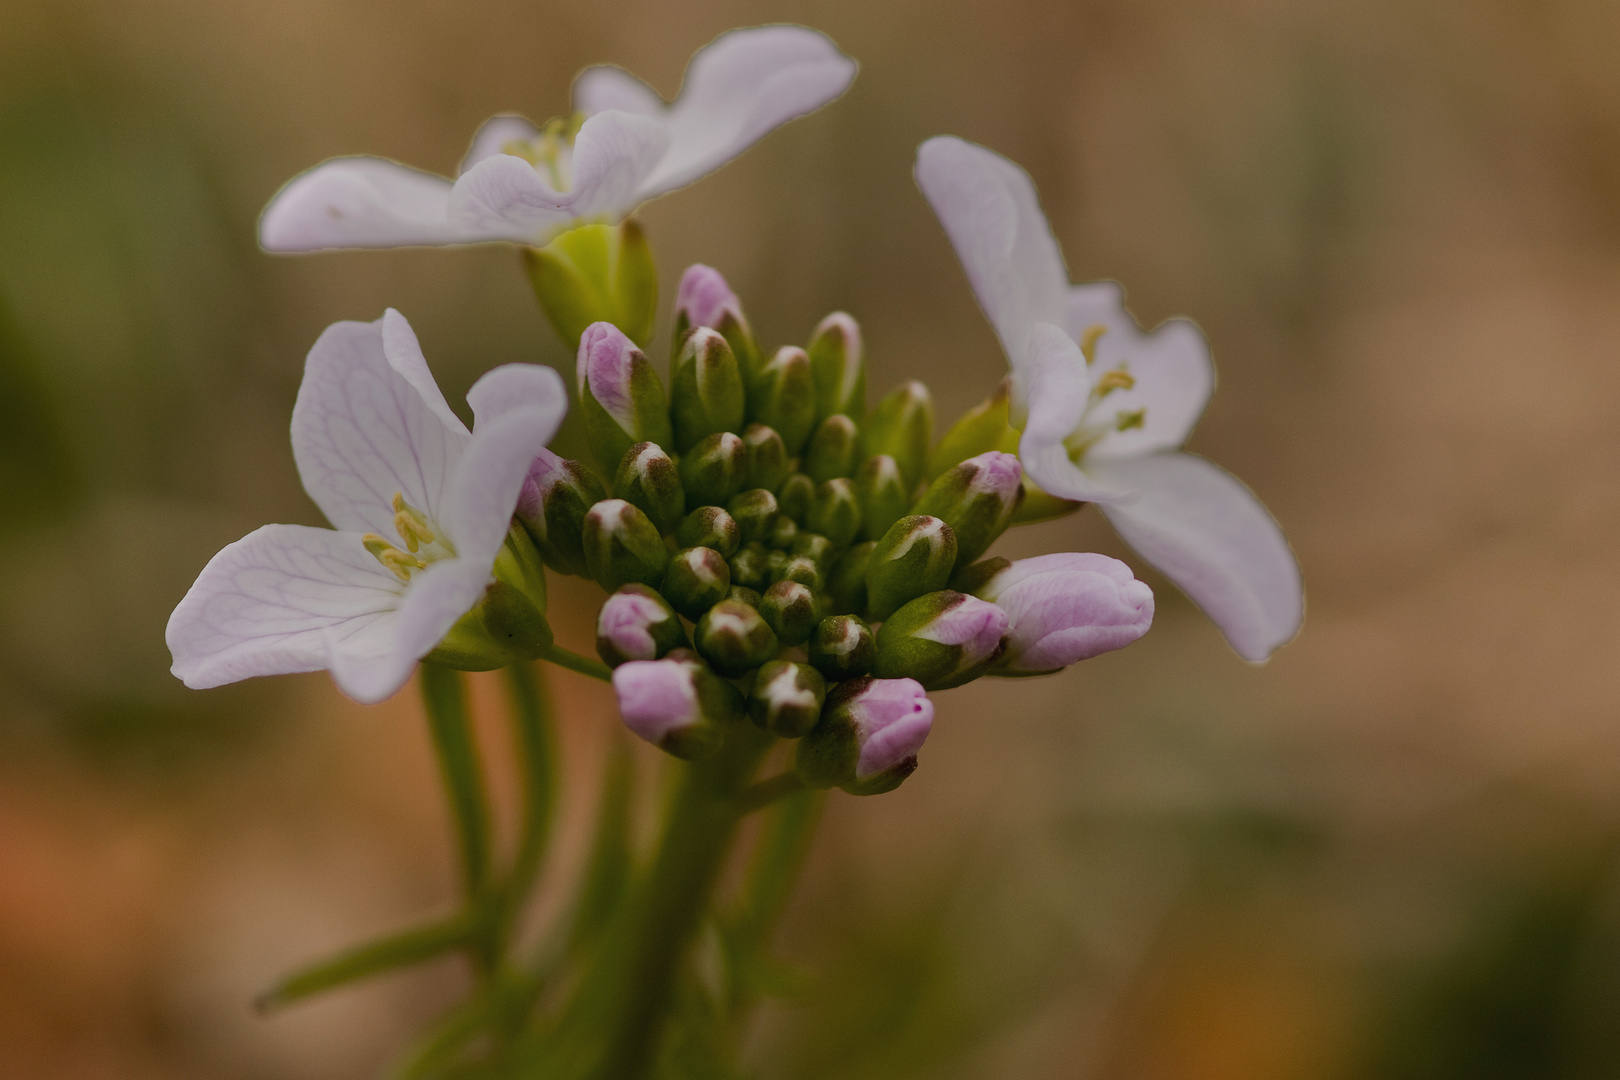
(423, 535)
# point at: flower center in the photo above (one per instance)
(422, 544)
(1100, 418)
(552, 151)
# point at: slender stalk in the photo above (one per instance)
(534, 735)
(778, 857)
(771, 789)
(574, 662)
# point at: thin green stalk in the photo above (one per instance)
(769, 790)
(778, 857)
(574, 662)
(462, 772)
(534, 734)
(390, 953)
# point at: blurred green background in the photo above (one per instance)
(1390, 853)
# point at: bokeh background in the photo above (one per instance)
(1389, 853)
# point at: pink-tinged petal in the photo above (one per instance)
(361, 202)
(625, 619)
(892, 719)
(656, 698)
(614, 155)
(1174, 380)
(1067, 562)
(1208, 533)
(544, 472)
(493, 137)
(1056, 384)
(604, 365)
(519, 386)
(504, 197)
(490, 476)
(1067, 607)
(362, 430)
(266, 604)
(976, 624)
(737, 88)
(993, 217)
(706, 298)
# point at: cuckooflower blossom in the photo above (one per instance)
(1104, 406)
(622, 147)
(421, 509)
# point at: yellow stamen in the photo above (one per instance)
(397, 562)
(1133, 419)
(410, 523)
(1118, 379)
(1088, 341)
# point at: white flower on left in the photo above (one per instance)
(421, 508)
(622, 147)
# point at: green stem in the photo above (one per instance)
(537, 760)
(574, 662)
(783, 844)
(459, 766)
(773, 788)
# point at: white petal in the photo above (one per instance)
(1208, 533)
(614, 155)
(495, 133)
(361, 202)
(504, 195)
(736, 88)
(267, 604)
(1096, 303)
(369, 422)
(993, 217)
(485, 488)
(519, 386)
(1057, 384)
(1174, 379)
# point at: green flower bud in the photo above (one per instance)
(786, 698)
(596, 273)
(748, 567)
(867, 739)
(981, 429)
(705, 389)
(834, 513)
(744, 595)
(790, 610)
(697, 579)
(837, 367)
(882, 494)
(914, 557)
(755, 512)
(795, 495)
(767, 457)
(943, 639)
(649, 480)
(799, 568)
(713, 470)
(773, 562)
(620, 398)
(901, 426)
(552, 506)
(622, 545)
(636, 623)
(711, 527)
(832, 449)
(734, 638)
(704, 299)
(783, 533)
(842, 647)
(976, 499)
(846, 580)
(785, 398)
(815, 546)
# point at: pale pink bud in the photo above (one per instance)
(1066, 607)
(657, 699)
(892, 718)
(705, 298)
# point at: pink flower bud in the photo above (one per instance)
(892, 717)
(657, 699)
(604, 366)
(1066, 607)
(705, 298)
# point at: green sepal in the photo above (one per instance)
(734, 638)
(795, 495)
(882, 494)
(832, 449)
(846, 580)
(755, 513)
(705, 389)
(914, 557)
(697, 578)
(649, 480)
(709, 526)
(596, 273)
(786, 698)
(842, 647)
(790, 609)
(714, 470)
(838, 367)
(834, 512)
(768, 462)
(622, 545)
(901, 426)
(982, 428)
(784, 397)
(557, 525)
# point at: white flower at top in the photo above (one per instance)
(421, 509)
(622, 147)
(1104, 407)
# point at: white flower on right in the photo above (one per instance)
(1104, 406)
(622, 147)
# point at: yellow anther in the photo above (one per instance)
(1133, 419)
(1088, 341)
(1118, 379)
(410, 523)
(397, 562)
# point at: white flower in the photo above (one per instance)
(421, 509)
(622, 147)
(1104, 406)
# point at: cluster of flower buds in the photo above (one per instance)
(775, 553)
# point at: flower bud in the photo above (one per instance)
(552, 507)
(508, 623)
(868, 737)
(649, 481)
(767, 457)
(976, 499)
(832, 449)
(711, 527)
(755, 512)
(704, 299)
(744, 595)
(636, 623)
(596, 273)
(622, 546)
(914, 557)
(901, 426)
(713, 470)
(846, 579)
(837, 367)
(943, 639)
(676, 703)
(749, 568)
(795, 495)
(815, 546)
(979, 430)
(773, 562)
(697, 579)
(734, 638)
(882, 494)
(1066, 607)
(784, 397)
(786, 698)
(789, 608)
(834, 513)
(841, 647)
(783, 533)
(620, 397)
(705, 389)
(800, 568)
